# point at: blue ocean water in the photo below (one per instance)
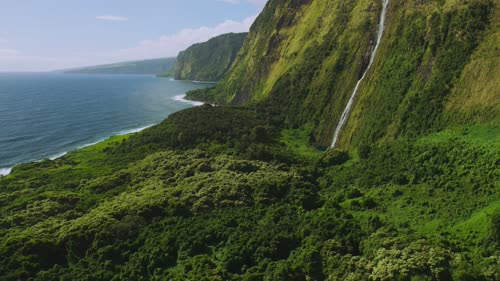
(44, 115)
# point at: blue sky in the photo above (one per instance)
(40, 35)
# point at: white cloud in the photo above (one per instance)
(12, 60)
(8, 53)
(15, 60)
(112, 18)
(171, 45)
(164, 46)
(258, 3)
(230, 1)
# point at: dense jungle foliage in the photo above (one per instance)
(217, 193)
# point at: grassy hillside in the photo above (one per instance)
(210, 60)
(153, 66)
(302, 60)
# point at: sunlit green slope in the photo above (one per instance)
(302, 60)
(210, 60)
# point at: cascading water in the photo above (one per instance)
(347, 110)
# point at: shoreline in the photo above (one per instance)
(191, 81)
(5, 171)
(182, 98)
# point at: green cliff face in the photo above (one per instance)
(302, 60)
(209, 61)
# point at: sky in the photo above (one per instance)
(44, 35)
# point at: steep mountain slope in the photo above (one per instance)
(302, 60)
(475, 96)
(430, 94)
(153, 66)
(210, 60)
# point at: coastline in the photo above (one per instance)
(5, 171)
(191, 81)
(182, 98)
(201, 82)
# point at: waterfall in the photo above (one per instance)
(347, 110)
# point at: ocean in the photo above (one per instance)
(45, 115)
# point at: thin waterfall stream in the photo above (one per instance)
(347, 110)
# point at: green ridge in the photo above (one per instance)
(210, 60)
(161, 66)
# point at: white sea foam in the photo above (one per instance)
(131, 131)
(181, 98)
(203, 82)
(58, 156)
(5, 171)
(90, 144)
(194, 81)
(119, 133)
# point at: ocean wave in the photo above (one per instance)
(119, 133)
(16, 139)
(181, 98)
(57, 156)
(203, 82)
(132, 131)
(5, 171)
(194, 81)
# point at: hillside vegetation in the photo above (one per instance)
(216, 193)
(302, 59)
(153, 66)
(209, 61)
(242, 192)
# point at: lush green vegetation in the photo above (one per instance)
(217, 193)
(417, 85)
(243, 193)
(409, 95)
(163, 66)
(209, 61)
